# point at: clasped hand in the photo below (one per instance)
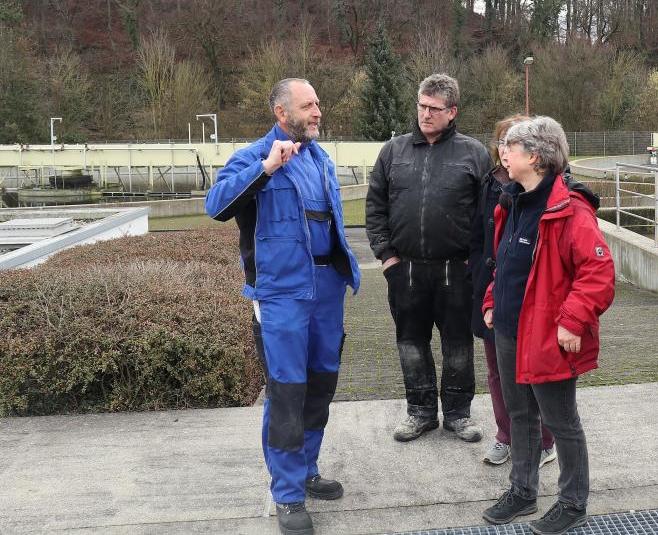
(280, 154)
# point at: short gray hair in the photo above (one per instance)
(281, 92)
(440, 85)
(544, 137)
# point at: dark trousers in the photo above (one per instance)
(555, 402)
(503, 433)
(421, 296)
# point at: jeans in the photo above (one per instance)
(555, 402)
(503, 433)
(420, 296)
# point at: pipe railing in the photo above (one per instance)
(619, 190)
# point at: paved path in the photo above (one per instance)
(371, 369)
(201, 471)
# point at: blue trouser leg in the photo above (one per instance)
(325, 346)
(284, 330)
(301, 343)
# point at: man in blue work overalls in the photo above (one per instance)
(283, 192)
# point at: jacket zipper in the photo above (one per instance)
(306, 231)
(423, 179)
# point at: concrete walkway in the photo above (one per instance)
(201, 471)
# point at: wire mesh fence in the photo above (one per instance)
(599, 143)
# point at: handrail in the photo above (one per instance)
(618, 190)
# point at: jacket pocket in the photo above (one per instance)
(282, 263)
(278, 211)
(402, 175)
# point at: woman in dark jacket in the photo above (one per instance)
(482, 268)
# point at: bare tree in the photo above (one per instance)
(155, 60)
(491, 90)
(69, 89)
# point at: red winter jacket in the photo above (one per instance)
(571, 283)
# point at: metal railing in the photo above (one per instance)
(618, 191)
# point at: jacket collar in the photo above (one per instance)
(417, 137)
(559, 201)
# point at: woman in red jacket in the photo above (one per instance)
(482, 269)
(554, 278)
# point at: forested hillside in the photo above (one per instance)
(142, 69)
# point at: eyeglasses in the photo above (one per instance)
(432, 109)
(500, 142)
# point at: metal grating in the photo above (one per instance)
(631, 523)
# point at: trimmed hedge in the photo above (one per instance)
(139, 323)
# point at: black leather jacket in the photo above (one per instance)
(422, 198)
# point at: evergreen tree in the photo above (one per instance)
(383, 108)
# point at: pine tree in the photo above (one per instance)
(383, 109)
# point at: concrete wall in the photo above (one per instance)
(196, 205)
(168, 207)
(349, 193)
(635, 256)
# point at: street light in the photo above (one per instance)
(53, 137)
(527, 62)
(213, 116)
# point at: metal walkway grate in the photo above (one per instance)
(632, 523)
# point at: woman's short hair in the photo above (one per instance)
(545, 138)
(441, 85)
(500, 129)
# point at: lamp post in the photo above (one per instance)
(53, 137)
(527, 62)
(213, 116)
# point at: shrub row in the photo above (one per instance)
(139, 323)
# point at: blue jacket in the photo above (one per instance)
(275, 244)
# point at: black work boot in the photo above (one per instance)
(293, 519)
(559, 519)
(323, 489)
(508, 507)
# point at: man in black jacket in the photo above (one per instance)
(419, 211)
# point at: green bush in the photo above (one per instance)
(140, 323)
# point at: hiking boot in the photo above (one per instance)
(293, 519)
(323, 489)
(414, 426)
(547, 456)
(464, 428)
(498, 453)
(559, 519)
(508, 507)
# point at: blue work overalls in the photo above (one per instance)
(293, 221)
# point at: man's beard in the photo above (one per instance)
(298, 131)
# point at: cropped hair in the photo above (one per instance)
(500, 129)
(545, 138)
(440, 85)
(281, 92)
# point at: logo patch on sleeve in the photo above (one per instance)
(599, 251)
